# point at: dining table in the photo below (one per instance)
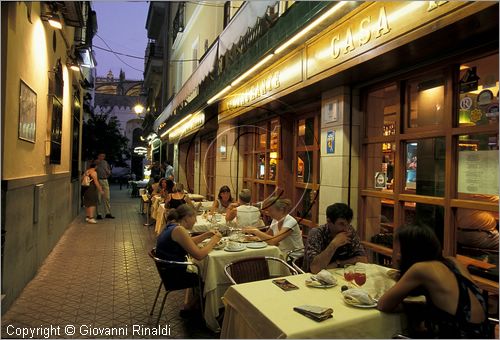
(216, 282)
(202, 223)
(249, 313)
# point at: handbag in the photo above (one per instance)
(86, 180)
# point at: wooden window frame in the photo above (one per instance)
(450, 130)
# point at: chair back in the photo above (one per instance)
(254, 269)
(171, 272)
(248, 270)
(295, 258)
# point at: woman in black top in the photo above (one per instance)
(455, 305)
(175, 243)
(178, 197)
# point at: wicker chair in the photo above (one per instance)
(253, 269)
(170, 281)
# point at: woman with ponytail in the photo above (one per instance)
(175, 243)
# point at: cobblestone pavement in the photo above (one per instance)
(101, 276)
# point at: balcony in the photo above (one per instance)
(153, 64)
(154, 22)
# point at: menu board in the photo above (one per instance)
(478, 172)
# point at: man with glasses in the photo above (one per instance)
(335, 243)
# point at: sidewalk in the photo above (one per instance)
(100, 276)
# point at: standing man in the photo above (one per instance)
(103, 172)
(169, 171)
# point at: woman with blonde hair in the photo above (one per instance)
(284, 230)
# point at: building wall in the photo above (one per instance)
(228, 169)
(29, 55)
(202, 23)
(335, 184)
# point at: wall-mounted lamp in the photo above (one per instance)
(273, 155)
(73, 65)
(53, 19)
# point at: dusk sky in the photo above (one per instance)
(122, 25)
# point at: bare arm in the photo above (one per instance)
(322, 260)
(215, 206)
(93, 175)
(188, 200)
(181, 236)
(231, 212)
(412, 279)
(269, 237)
(204, 236)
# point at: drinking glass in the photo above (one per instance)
(360, 276)
(349, 272)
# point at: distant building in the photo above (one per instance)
(119, 96)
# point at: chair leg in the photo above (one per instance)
(156, 299)
(162, 306)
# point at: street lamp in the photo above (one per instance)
(139, 109)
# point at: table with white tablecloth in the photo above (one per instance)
(201, 225)
(249, 313)
(216, 282)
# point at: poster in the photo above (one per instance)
(478, 172)
(27, 113)
(330, 142)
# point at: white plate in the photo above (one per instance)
(359, 305)
(256, 245)
(235, 249)
(320, 286)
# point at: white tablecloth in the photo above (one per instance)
(201, 224)
(216, 281)
(262, 310)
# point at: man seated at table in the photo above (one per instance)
(335, 243)
(243, 213)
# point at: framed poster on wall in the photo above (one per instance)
(27, 113)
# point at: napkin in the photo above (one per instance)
(316, 313)
(325, 277)
(358, 296)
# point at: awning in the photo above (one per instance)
(165, 114)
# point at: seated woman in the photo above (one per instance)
(174, 244)
(284, 230)
(177, 197)
(223, 201)
(165, 187)
(456, 307)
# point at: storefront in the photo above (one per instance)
(392, 109)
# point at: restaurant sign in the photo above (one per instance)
(188, 127)
(269, 82)
(371, 26)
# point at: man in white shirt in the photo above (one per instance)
(243, 213)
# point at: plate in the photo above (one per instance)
(235, 249)
(319, 286)
(359, 305)
(256, 245)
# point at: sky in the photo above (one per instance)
(122, 26)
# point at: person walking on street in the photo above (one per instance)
(103, 172)
(90, 197)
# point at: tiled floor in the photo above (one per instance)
(101, 276)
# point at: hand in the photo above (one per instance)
(341, 239)
(101, 191)
(217, 235)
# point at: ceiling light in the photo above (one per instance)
(55, 22)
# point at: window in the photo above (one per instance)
(57, 111)
(260, 146)
(307, 169)
(429, 160)
(227, 13)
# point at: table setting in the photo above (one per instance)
(352, 302)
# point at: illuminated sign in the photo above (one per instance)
(191, 125)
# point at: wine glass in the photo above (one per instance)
(349, 272)
(360, 276)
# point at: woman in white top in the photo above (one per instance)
(223, 201)
(284, 230)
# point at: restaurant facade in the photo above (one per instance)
(391, 107)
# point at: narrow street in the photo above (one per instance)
(100, 275)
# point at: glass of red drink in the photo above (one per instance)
(360, 276)
(349, 272)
